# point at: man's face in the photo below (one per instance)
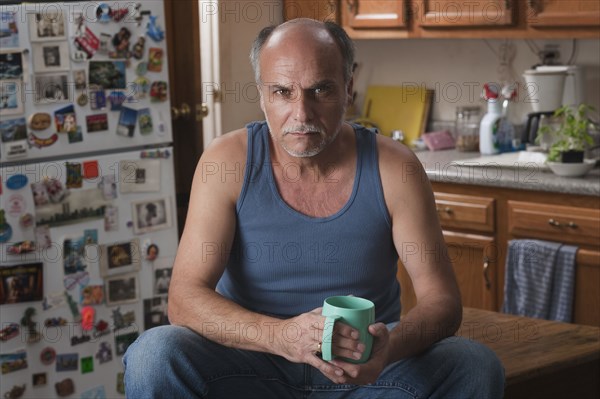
(303, 93)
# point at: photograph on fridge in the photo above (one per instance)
(121, 289)
(151, 215)
(12, 66)
(139, 175)
(10, 102)
(22, 283)
(50, 57)
(51, 88)
(9, 29)
(48, 24)
(119, 257)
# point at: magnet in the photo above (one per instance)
(103, 13)
(116, 99)
(82, 100)
(120, 42)
(16, 392)
(154, 31)
(27, 321)
(55, 322)
(97, 99)
(39, 121)
(88, 43)
(5, 228)
(73, 307)
(152, 252)
(101, 328)
(138, 48)
(158, 91)
(39, 379)
(38, 142)
(121, 383)
(16, 205)
(75, 340)
(155, 59)
(21, 247)
(74, 176)
(47, 355)
(104, 353)
(142, 68)
(90, 170)
(8, 332)
(118, 14)
(155, 154)
(104, 41)
(16, 149)
(16, 182)
(55, 189)
(88, 314)
(65, 388)
(26, 220)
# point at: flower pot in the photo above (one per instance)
(572, 156)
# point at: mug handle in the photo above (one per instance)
(328, 337)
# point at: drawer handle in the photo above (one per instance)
(572, 225)
(553, 222)
(446, 209)
(486, 277)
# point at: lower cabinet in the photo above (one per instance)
(479, 221)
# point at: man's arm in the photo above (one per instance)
(420, 243)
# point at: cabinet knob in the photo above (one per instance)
(553, 222)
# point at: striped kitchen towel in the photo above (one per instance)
(539, 279)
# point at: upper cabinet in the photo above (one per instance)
(461, 14)
(375, 14)
(513, 19)
(563, 13)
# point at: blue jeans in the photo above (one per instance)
(175, 362)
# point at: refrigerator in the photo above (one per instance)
(88, 230)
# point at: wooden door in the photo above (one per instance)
(182, 26)
(563, 13)
(461, 14)
(375, 13)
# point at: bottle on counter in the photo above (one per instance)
(466, 128)
(488, 129)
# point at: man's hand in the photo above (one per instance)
(302, 347)
(365, 373)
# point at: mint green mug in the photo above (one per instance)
(353, 311)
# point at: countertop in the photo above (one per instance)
(440, 167)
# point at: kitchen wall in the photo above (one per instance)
(455, 68)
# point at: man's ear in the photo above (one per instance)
(261, 99)
(350, 92)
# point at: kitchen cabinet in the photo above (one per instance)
(463, 219)
(461, 14)
(516, 19)
(563, 13)
(478, 221)
(376, 14)
(322, 10)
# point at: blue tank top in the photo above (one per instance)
(283, 263)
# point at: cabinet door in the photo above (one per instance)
(586, 303)
(322, 10)
(460, 14)
(375, 13)
(475, 260)
(563, 13)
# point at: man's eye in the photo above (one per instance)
(282, 92)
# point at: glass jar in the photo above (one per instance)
(466, 128)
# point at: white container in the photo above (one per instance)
(574, 82)
(488, 129)
(544, 89)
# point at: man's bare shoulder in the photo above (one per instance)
(393, 155)
(230, 147)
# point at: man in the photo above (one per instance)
(323, 208)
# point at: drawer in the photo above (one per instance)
(559, 223)
(458, 211)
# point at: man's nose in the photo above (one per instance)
(303, 107)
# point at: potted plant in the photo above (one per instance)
(571, 137)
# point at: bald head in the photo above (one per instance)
(304, 29)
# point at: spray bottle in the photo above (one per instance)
(488, 129)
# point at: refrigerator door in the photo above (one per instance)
(85, 268)
(82, 77)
